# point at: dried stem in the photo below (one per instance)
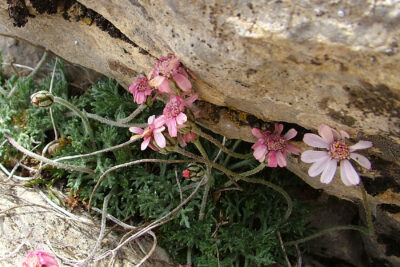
(133, 139)
(113, 123)
(102, 230)
(38, 66)
(153, 248)
(278, 233)
(46, 160)
(133, 114)
(153, 225)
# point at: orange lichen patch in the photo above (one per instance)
(389, 196)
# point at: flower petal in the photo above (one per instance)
(172, 128)
(281, 159)
(326, 133)
(318, 167)
(151, 119)
(348, 173)
(257, 133)
(159, 121)
(182, 81)
(292, 148)
(191, 99)
(181, 118)
(272, 161)
(315, 141)
(160, 139)
(157, 81)
(361, 145)
(344, 134)
(311, 156)
(164, 86)
(260, 152)
(329, 171)
(278, 128)
(360, 159)
(290, 134)
(145, 143)
(136, 130)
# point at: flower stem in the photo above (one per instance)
(84, 118)
(254, 171)
(238, 177)
(219, 145)
(235, 145)
(133, 114)
(362, 229)
(367, 209)
(325, 231)
(208, 183)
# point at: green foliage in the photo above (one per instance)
(239, 226)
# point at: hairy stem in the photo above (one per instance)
(83, 117)
(219, 145)
(133, 114)
(208, 183)
(235, 145)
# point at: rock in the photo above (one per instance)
(301, 62)
(26, 227)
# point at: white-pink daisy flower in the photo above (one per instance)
(274, 145)
(338, 152)
(153, 131)
(174, 112)
(140, 90)
(166, 68)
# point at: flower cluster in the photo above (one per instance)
(274, 145)
(167, 77)
(325, 163)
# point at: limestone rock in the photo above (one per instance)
(304, 62)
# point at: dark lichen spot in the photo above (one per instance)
(389, 148)
(18, 12)
(379, 99)
(250, 72)
(390, 208)
(388, 177)
(48, 6)
(392, 243)
(341, 117)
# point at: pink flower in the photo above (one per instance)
(166, 68)
(186, 174)
(326, 162)
(140, 89)
(173, 112)
(274, 145)
(39, 258)
(153, 130)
